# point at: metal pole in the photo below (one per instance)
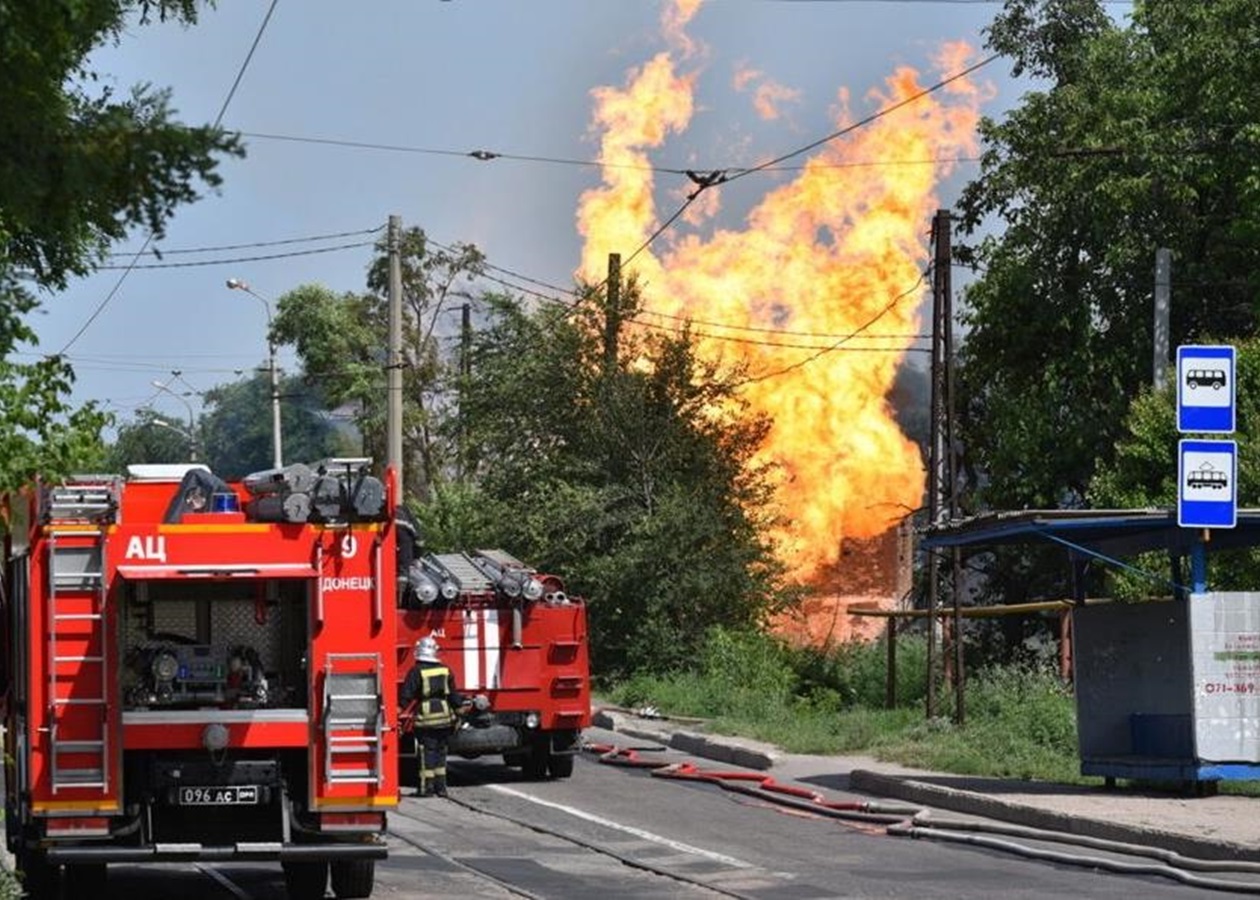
(944, 256)
(192, 427)
(277, 453)
(394, 380)
(1163, 303)
(612, 313)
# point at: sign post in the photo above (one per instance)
(1207, 475)
(1207, 470)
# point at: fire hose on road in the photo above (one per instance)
(917, 822)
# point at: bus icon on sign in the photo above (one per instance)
(1213, 378)
(1207, 477)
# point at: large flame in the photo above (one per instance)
(833, 257)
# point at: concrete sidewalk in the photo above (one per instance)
(1218, 827)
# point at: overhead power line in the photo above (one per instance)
(240, 73)
(240, 259)
(571, 297)
(861, 123)
(277, 243)
(489, 155)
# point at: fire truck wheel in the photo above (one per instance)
(305, 880)
(560, 766)
(39, 877)
(85, 880)
(353, 878)
(535, 764)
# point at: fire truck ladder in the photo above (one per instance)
(354, 718)
(78, 720)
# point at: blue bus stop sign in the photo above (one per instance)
(1207, 492)
(1205, 389)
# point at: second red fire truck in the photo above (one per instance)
(516, 644)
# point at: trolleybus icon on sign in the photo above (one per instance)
(1205, 389)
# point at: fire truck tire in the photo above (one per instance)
(39, 877)
(353, 878)
(534, 765)
(560, 766)
(85, 880)
(305, 880)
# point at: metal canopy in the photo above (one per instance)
(1117, 532)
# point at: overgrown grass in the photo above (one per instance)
(1019, 722)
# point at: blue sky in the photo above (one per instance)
(455, 77)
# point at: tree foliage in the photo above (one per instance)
(1144, 136)
(148, 438)
(237, 426)
(80, 167)
(630, 472)
(342, 340)
(625, 468)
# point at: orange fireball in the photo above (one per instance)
(831, 259)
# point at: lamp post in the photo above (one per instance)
(236, 284)
(192, 428)
(192, 441)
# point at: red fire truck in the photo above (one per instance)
(200, 671)
(516, 644)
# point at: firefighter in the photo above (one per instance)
(429, 690)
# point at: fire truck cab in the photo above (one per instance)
(200, 671)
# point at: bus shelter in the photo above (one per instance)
(1167, 690)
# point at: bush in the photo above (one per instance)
(855, 672)
(1020, 719)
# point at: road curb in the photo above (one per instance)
(734, 751)
(975, 804)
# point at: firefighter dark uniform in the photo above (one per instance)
(429, 686)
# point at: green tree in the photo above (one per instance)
(342, 340)
(236, 427)
(1142, 137)
(147, 439)
(634, 480)
(79, 169)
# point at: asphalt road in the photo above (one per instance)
(622, 833)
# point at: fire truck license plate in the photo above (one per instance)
(236, 795)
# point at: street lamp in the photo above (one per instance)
(192, 432)
(188, 436)
(236, 284)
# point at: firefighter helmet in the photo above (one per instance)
(426, 649)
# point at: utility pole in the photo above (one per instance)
(612, 313)
(394, 380)
(1163, 304)
(945, 255)
(465, 372)
(942, 466)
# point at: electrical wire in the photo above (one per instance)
(126, 270)
(239, 259)
(488, 155)
(836, 346)
(692, 321)
(861, 123)
(253, 244)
